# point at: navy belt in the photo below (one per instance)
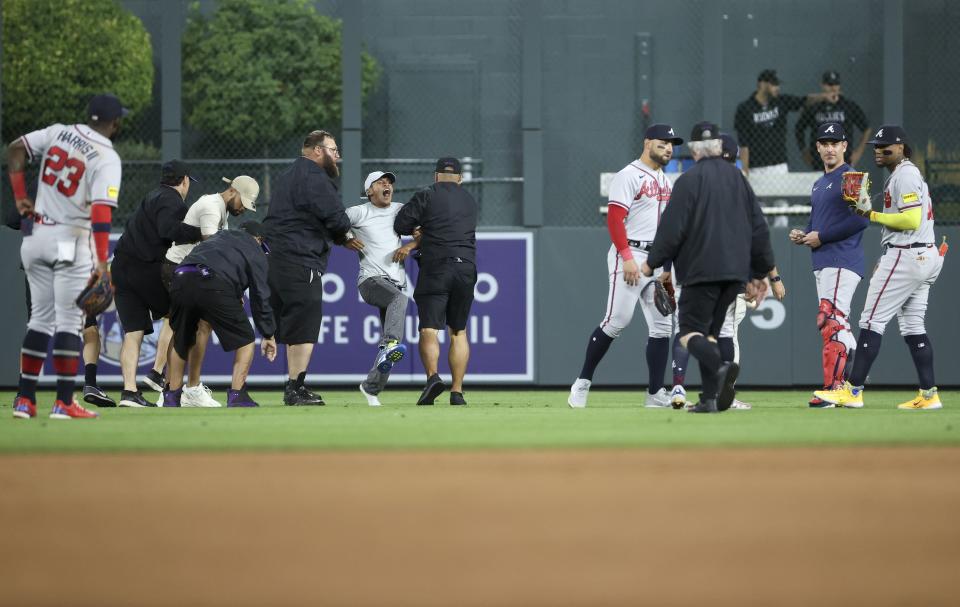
(640, 244)
(191, 268)
(916, 245)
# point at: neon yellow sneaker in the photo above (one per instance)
(928, 399)
(844, 396)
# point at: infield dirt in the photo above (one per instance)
(863, 526)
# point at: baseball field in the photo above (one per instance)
(515, 499)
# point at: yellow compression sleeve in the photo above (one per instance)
(907, 220)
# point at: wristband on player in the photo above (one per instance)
(19, 184)
(776, 278)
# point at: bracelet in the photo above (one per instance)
(776, 278)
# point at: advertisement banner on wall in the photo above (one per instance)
(500, 327)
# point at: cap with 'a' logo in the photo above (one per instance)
(831, 131)
(889, 134)
(664, 132)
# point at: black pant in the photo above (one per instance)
(211, 299)
(703, 306)
(444, 293)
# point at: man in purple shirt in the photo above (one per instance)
(833, 234)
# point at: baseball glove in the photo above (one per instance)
(97, 295)
(663, 298)
(856, 191)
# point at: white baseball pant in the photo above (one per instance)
(900, 286)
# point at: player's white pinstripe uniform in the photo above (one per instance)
(644, 193)
(910, 264)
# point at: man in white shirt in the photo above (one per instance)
(382, 278)
(209, 213)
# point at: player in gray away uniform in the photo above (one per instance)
(901, 283)
(66, 238)
(382, 278)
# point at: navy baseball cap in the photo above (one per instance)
(830, 77)
(730, 148)
(105, 107)
(769, 76)
(177, 168)
(663, 132)
(448, 164)
(889, 134)
(704, 131)
(831, 131)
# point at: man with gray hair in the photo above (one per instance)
(716, 235)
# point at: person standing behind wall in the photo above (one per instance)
(447, 216)
(305, 217)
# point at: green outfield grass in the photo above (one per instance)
(493, 419)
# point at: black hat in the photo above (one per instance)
(106, 107)
(257, 230)
(888, 134)
(830, 77)
(730, 148)
(831, 131)
(177, 168)
(769, 76)
(663, 132)
(448, 164)
(703, 131)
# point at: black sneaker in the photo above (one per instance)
(726, 378)
(134, 399)
(432, 390)
(706, 405)
(456, 398)
(300, 396)
(154, 381)
(96, 396)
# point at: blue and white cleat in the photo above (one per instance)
(390, 354)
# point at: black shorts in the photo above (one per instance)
(703, 307)
(213, 300)
(139, 293)
(296, 296)
(444, 293)
(166, 273)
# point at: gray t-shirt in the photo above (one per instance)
(373, 225)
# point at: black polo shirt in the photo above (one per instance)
(306, 215)
(763, 128)
(236, 258)
(155, 225)
(447, 214)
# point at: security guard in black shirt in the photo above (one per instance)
(209, 285)
(138, 288)
(306, 216)
(446, 214)
(716, 235)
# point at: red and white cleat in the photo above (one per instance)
(24, 408)
(73, 411)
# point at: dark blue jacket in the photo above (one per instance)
(840, 229)
(306, 215)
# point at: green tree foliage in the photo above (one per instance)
(260, 72)
(59, 53)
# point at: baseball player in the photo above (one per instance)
(638, 195)
(209, 213)
(901, 282)
(382, 278)
(833, 235)
(67, 241)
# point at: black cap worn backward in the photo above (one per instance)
(254, 228)
(663, 132)
(830, 77)
(730, 148)
(768, 76)
(889, 134)
(704, 131)
(449, 164)
(105, 107)
(177, 168)
(831, 131)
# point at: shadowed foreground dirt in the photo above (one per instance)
(678, 527)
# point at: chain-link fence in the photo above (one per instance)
(448, 79)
